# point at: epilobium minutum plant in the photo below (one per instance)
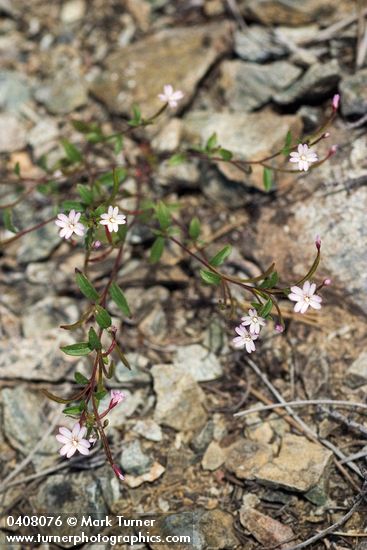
(98, 216)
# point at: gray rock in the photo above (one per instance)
(248, 135)
(257, 44)
(65, 92)
(47, 315)
(24, 423)
(179, 56)
(198, 361)
(12, 133)
(14, 91)
(133, 460)
(43, 136)
(248, 86)
(72, 11)
(357, 372)
(300, 466)
(148, 429)
(245, 458)
(317, 82)
(207, 529)
(203, 438)
(266, 530)
(38, 245)
(179, 399)
(214, 457)
(137, 374)
(353, 91)
(291, 12)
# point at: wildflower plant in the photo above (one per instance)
(97, 215)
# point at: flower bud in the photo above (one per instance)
(318, 242)
(327, 282)
(333, 149)
(97, 244)
(279, 328)
(325, 135)
(335, 102)
(118, 472)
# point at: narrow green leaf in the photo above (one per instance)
(72, 153)
(72, 205)
(194, 228)
(119, 143)
(209, 277)
(221, 256)
(17, 169)
(86, 286)
(122, 357)
(102, 316)
(99, 395)
(79, 349)
(85, 193)
(266, 309)
(212, 142)
(8, 220)
(157, 250)
(118, 297)
(108, 178)
(177, 159)
(93, 340)
(270, 281)
(71, 410)
(225, 154)
(80, 379)
(163, 215)
(267, 179)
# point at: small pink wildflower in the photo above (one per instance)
(116, 397)
(113, 219)
(73, 440)
(245, 339)
(170, 96)
(335, 102)
(305, 297)
(70, 224)
(327, 282)
(304, 157)
(279, 328)
(254, 321)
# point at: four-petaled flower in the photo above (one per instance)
(113, 219)
(73, 440)
(305, 297)
(171, 96)
(116, 397)
(70, 224)
(244, 339)
(304, 157)
(254, 321)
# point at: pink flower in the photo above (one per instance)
(304, 157)
(170, 96)
(118, 472)
(279, 328)
(335, 102)
(116, 397)
(70, 224)
(113, 219)
(305, 297)
(73, 440)
(327, 282)
(245, 339)
(254, 321)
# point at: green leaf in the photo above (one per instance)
(8, 220)
(267, 179)
(86, 286)
(102, 316)
(270, 281)
(221, 256)
(209, 277)
(72, 153)
(225, 154)
(157, 250)
(17, 169)
(118, 297)
(72, 205)
(177, 159)
(93, 339)
(119, 143)
(266, 309)
(163, 215)
(85, 127)
(80, 379)
(287, 143)
(212, 142)
(85, 193)
(194, 228)
(122, 357)
(99, 395)
(71, 410)
(136, 120)
(77, 350)
(109, 177)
